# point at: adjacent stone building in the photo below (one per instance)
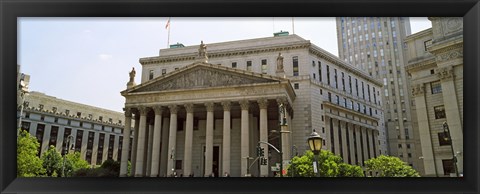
(199, 112)
(97, 132)
(375, 45)
(435, 63)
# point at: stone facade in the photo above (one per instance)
(97, 132)
(247, 81)
(375, 45)
(435, 63)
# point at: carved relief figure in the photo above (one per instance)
(280, 62)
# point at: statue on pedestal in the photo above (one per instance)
(202, 53)
(132, 74)
(280, 63)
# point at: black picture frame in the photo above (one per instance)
(10, 10)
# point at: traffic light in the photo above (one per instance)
(263, 161)
(260, 151)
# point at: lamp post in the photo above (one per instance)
(68, 146)
(22, 93)
(315, 143)
(447, 137)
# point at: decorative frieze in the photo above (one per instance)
(418, 89)
(445, 73)
(450, 55)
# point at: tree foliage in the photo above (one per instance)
(109, 168)
(330, 166)
(74, 163)
(28, 163)
(52, 161)
(390, 166)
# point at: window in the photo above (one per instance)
(320, 71)
(409, 155)
(426, 43)
(295, 66)
(408, 146)
(338, 99)
(234, 65)
(249, 65)
(399, 145)
(432, 71)
(100, 118)
(443, 139)
(164, 71)
(150, 75)
(436, 87)
(330, 97)
(178, 164)
(448, 167)
(264, 66)
(328, 75)
(439, 112)
(296, 86)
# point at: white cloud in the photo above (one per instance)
(105, 56)
(87, 31)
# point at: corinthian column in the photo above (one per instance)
(209, 139)
(157, 135)
(188, 141)
(244, 104)
(226, 137)
(172, 140)
(263, 105)
(141, 140)
(126, 142)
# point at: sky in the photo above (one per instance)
(87, 60)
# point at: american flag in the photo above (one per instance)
(168, 24)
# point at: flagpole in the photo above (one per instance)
(168, 40)
(293, 27)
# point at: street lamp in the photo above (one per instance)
(68, 146)
(447, 137)
(315, 143)
(22, 93)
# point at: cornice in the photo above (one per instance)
(416, 65)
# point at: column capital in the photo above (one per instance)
(226, 105)
(210, 106)
(158, 110)
(128, 112)
(262, 103)
(189, 107)
(418, 89)
(281, 100)
(173, 108)
(143, 110)
(244, 104)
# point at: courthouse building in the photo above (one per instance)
(435, 63)
(97, 132)
(199, 112)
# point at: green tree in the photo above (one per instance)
(74, 163)
(52, 161)
(330, 166)
(28, 163)
(390, 166)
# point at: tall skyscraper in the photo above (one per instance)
(376, 46)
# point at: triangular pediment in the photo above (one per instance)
(203, 75)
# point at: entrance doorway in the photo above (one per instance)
(215, 162)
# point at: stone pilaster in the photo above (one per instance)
(172, 140)
(157, 135)
(358, 142)
(188, 141)
(352, 143)
(135, 143)
(363, 130)
(336, 137)
(244, 136)
(141, 139)
(226, 136)
(370, 142)
(209, 138)
(343, 134)
(263, 105)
